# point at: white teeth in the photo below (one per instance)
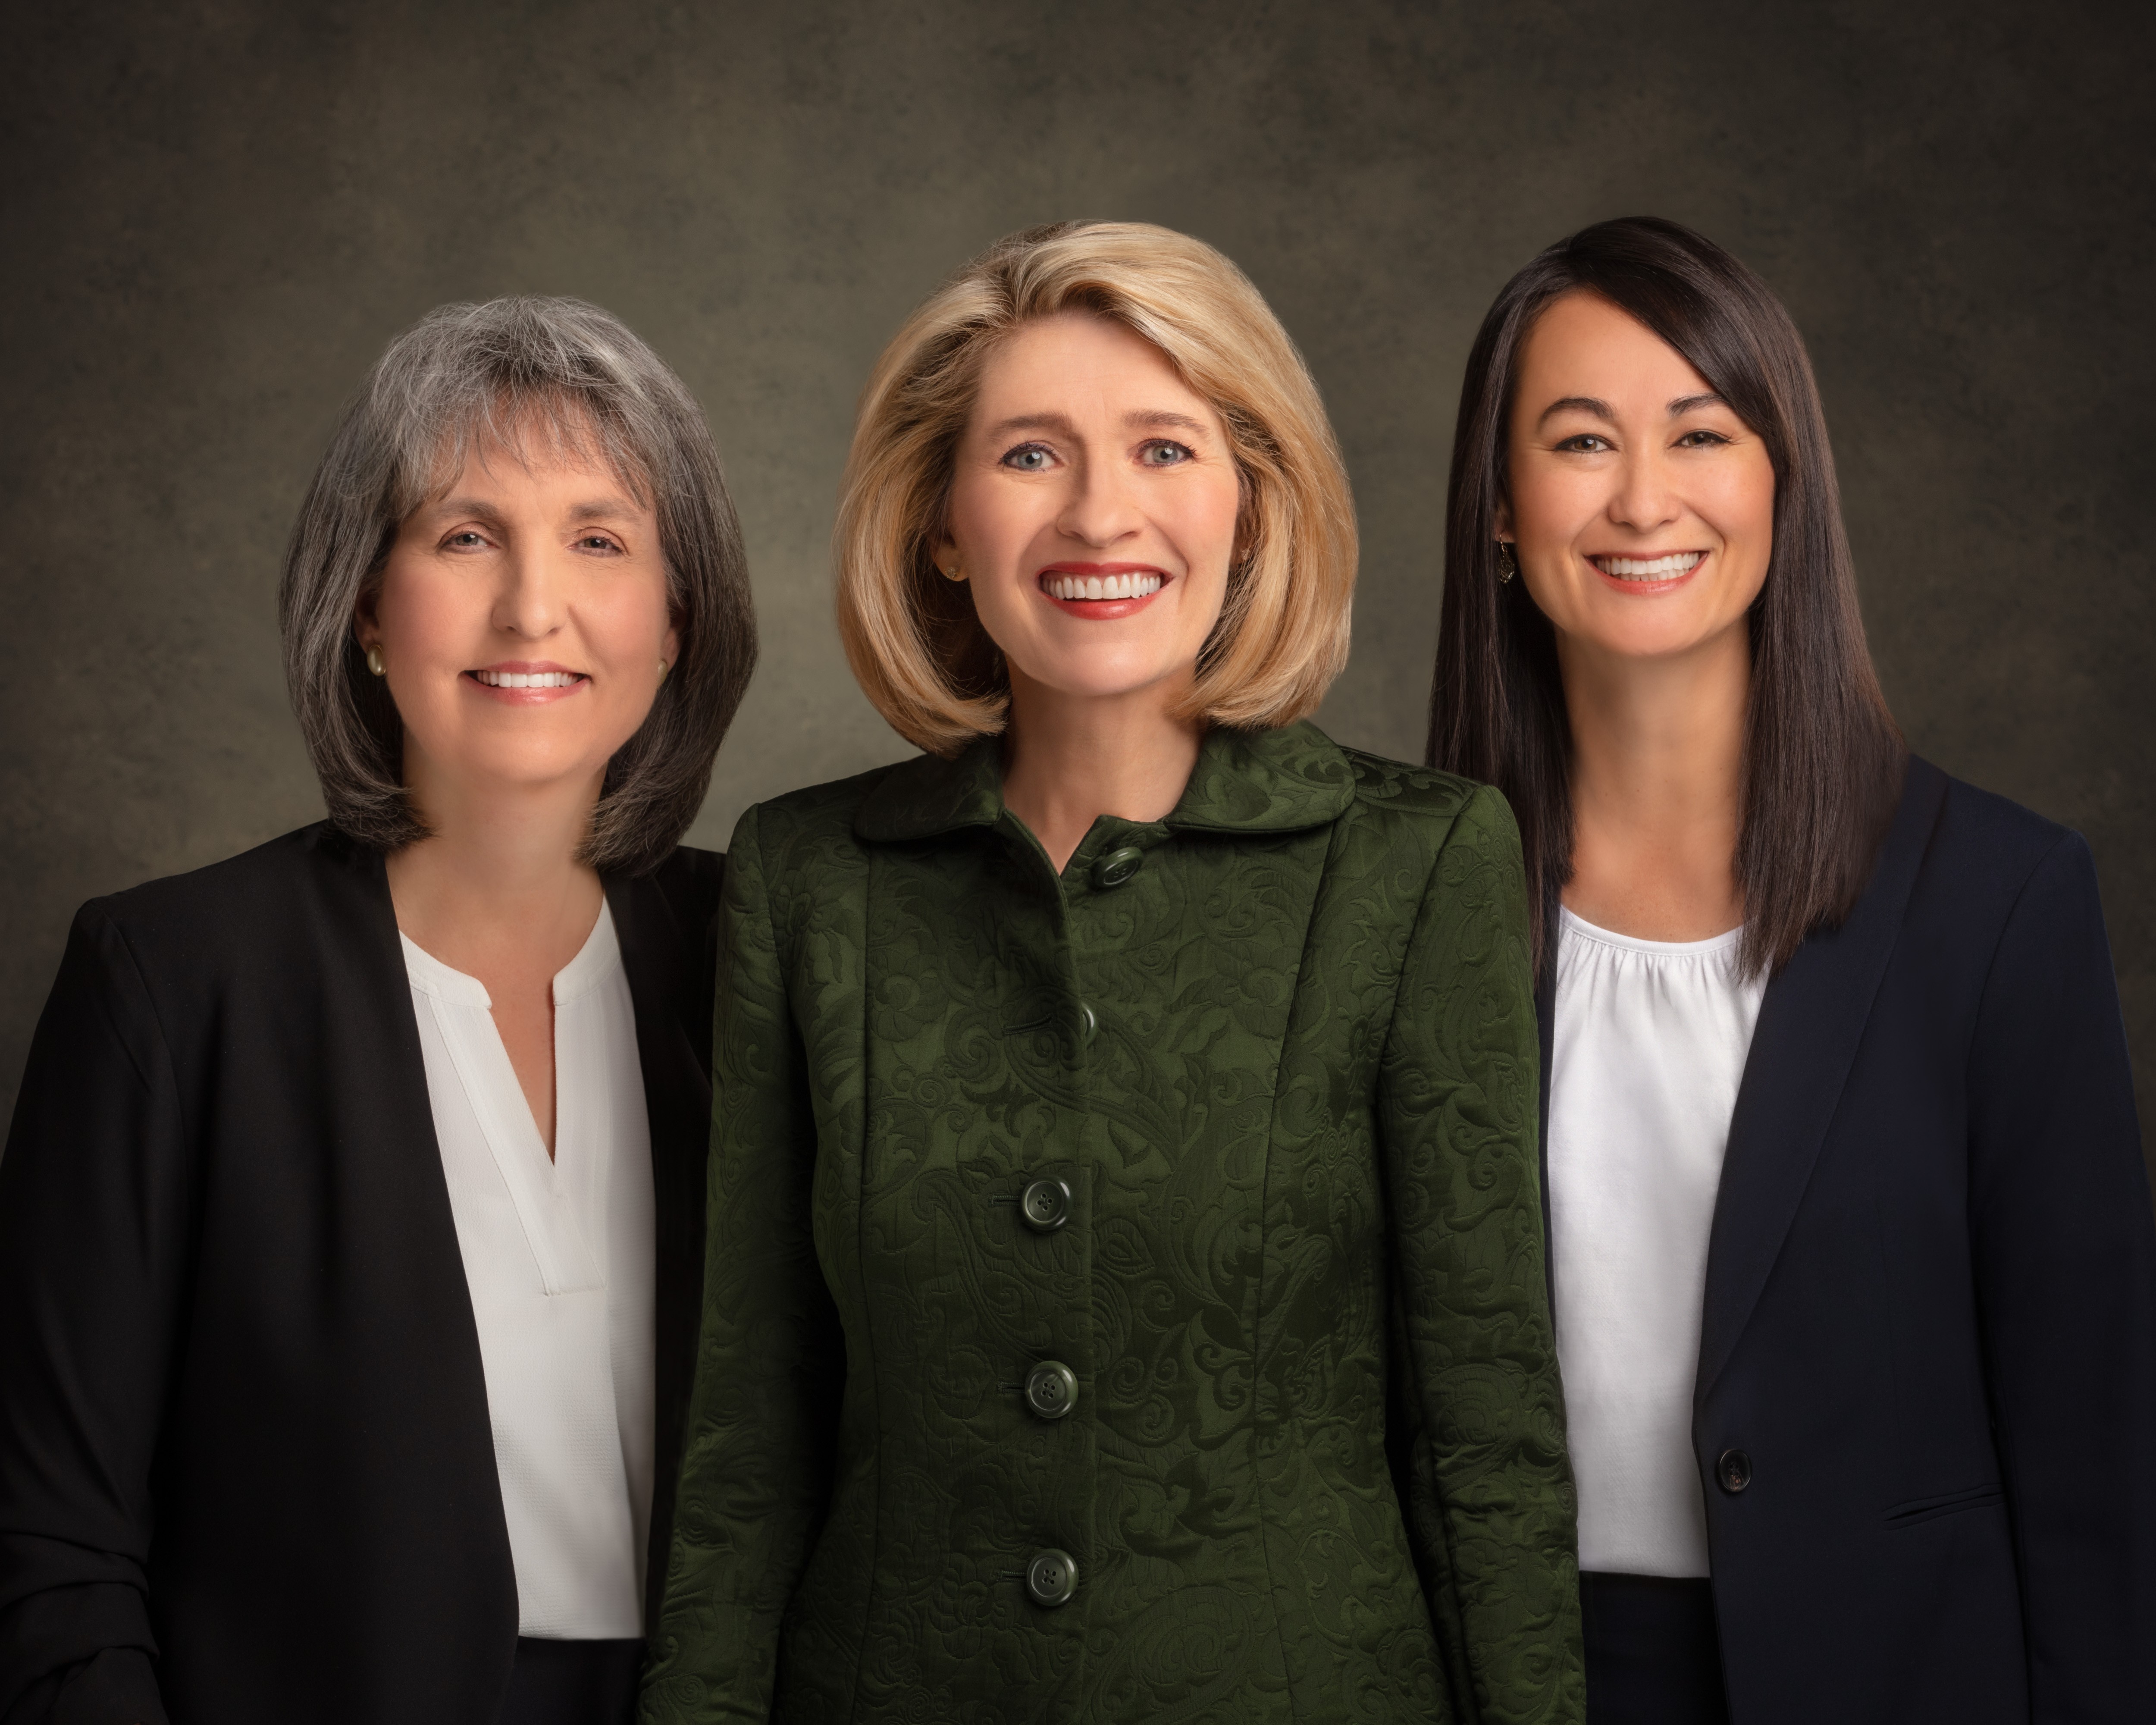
(1102, 587)
(1680, 563)
(525, 680)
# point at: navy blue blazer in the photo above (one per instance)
(1925, 1417)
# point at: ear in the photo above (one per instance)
(1503, 520)
(366, 624)
(669, 649)
(944, 552)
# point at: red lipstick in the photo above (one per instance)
(1129, 589)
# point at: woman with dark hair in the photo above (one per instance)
(351, 1220)
(1854, 1268)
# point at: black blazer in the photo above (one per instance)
(245, 1460)
(1925, 1417)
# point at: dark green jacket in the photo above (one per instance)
(1280, 1047)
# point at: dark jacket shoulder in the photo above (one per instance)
(1428, 812)
(1383, 786)
(820, 813)
(227, 901)
(1983, 841)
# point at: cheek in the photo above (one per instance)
(990, 523)
(1742, 510)
(1212, 513)
(1552, 503)
(631, 619)
(423, 615)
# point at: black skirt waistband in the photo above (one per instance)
(573, 1682)
(1654, 1656)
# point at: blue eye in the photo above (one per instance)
(1027, 458)
(1161, 453)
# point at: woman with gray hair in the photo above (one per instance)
(351, 1220)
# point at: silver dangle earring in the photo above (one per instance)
(1509, 565)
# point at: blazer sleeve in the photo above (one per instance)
(1490, 1506)
(2065, 1250)
(95, 1207)
(757, 1465)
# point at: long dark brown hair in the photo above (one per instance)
(1823, 758)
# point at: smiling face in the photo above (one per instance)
(1643, 508)
(1093, 509)
(522, 618)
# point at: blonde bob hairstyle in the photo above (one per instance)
(915, 643)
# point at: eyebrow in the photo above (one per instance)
(1062, 423)
(595, 509)
(1681, 405)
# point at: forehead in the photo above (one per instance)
(1081, 366)
(1583, 345)
(546, 446)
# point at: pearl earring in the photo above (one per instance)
(954, 574)
(374, 662)
(663, 668)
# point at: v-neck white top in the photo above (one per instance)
(1646, 1054)
(559, 1256)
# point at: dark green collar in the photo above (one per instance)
(1278, 781)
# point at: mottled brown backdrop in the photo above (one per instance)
(216, 213)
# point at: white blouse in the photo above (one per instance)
(1646, 1054)
(559, 1258)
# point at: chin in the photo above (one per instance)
(524, 770)
(1106, 676)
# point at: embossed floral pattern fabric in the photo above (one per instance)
(1280, 1049)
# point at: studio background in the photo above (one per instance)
(217, 214)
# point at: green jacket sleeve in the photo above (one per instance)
(1492, 1509)
(756, 1470)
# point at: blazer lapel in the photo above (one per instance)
(1811, 1023)
(668, 963)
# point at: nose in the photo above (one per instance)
(1101, 507)
(1646, 498)
(531, 601)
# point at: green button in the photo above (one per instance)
(1117, 866)
(1044, 1205)
(1051, 1389)
(1051, 1577)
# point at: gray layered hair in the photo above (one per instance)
(511, 373)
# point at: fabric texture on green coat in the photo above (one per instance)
(1280, 1050)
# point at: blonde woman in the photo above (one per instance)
(1125, 1297)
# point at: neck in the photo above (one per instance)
(1657, 786)
(1068, 760)
(499, 870)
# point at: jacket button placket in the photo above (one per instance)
(1052, 1255)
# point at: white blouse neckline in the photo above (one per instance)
(1573, 922)
(558, 1255)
